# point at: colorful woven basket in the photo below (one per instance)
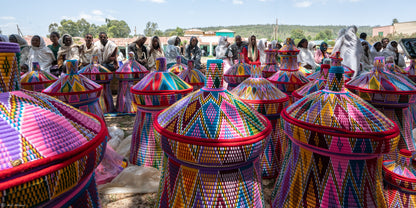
(128, 75)
(317, 73)
(76, 90)
(178, 67)
(271, 66)
(237, 73)
(263, 96)
(101, 75)
(10, 75)
(288, 78)
(212, 142)
(400, 181)
(392, 94)
(49, 150)
(333, 157)
(155, 92)
(336, 61)
(313, 85)
(193, 76)
(37, 80)
(411, 70)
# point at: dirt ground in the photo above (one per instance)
(149, 200)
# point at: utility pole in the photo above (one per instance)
(135, 34)
(19, 31)
(275, 29)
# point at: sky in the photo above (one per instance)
(34, 17)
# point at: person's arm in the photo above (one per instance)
(198, 55)
(245, 56)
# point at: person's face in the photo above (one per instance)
(324, 47)
(177, 41)
(278, 46)
(378, 46)
(103, 39)
(13, 39)
(88, 39)
(238, 41)
(67, 41)
(394, 44)
(385, 42)
(253, 39)
(155, 43)
(54, 38)
(142, 41)
(305, 44)
(365, 46)
(35, 41)
(193, 42)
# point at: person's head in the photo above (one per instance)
(378, 46)
(278, 46)
(363, 36)
(365, 45)
(238, 40)
(35, 41)
(67, 40)
(177, 41)
(193, 41)
(323, 47)
(54, 37)
(103, 38)
(385, 42)
(155, 42)
(303, 43)
(13, 39)
(141, 40)
(394, 44)
(253, 40)
(311, 46)
(88, 38)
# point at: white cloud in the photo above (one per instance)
(7, 18)
(237, 2)
(97, 12)
(303, 4)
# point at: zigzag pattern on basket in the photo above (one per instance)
(271, 66)
(96, 72)
(131, 70)
(178, 67)
(9, 76)
(37, 80)
(193, 76)
(237, 73)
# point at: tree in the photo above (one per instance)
(324, 35)
(395, 21)
(118, 29)
(297, 34)
(151, 28)
(53, 27)
(69, 27)
(84, 27)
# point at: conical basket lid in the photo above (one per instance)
(238, 72)
(37, 76)
(96, 71)
(192, 76)
(178, 67)
(401, 172)
(314, 85)
(131, 69)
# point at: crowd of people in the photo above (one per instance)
(52, 57)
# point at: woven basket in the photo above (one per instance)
(336, 60)
(10, 74)
(100, 75)
(271, 66)
(178, 67)
(128, 76)
(411, 70)
(76, 90)
(313, 85)
(37, 80)
(333, 157)
(263, 96)
(193, 76)
(392, 94)
(400, 181)
(212, 142)
(155, 92)
(237, 73)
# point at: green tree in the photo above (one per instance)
(101, 28)
(394, 21)
(179, 31)
(151, 28)
(118, 28)
(84, 27)
(297, 34)
(69, 27)
(53, 27)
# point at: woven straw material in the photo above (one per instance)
(178, 67)
(288, 78)
(9, 70)
(263, 96)
(214, 139)
(76, 90)
(237, 73)
(411, 70)
(271, 66)
(336, 60)
(333, 153)
(314, 85)
(400, 181)
(87, 196)
(306, 72)
(48, 147)
(193, 76)
(155, 92)
(37, 80)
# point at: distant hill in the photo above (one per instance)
(266, 30)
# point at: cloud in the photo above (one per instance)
(7, 18)
(237, 2)
(97, 12)
(96, 16)
(303, 4)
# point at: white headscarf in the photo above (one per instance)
(350, 48)
(172, 51)
(24, 47)
(390, 51)
(261, 47)
(311, 46)
(4, 38)
(306, 57)
(154, 54)
(374, 53)
(70, 52)
(221, 49)
(104, 52)
(41, 54)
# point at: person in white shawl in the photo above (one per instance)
(349, 46)
(171, 51)
(392, 50)
(86, 50)
(107, 52)
(222, 52)
(24, 49)
(305, 56)
(155, 51)
(312, 48)
(376, 50)
(261, 47)
(40, 53)
(367, 58)
(67, 51)
(4, 38)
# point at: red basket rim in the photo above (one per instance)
(73, 93)
(160, 92)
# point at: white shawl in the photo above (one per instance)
(104, 52)
(41, 54)
(70, 52)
